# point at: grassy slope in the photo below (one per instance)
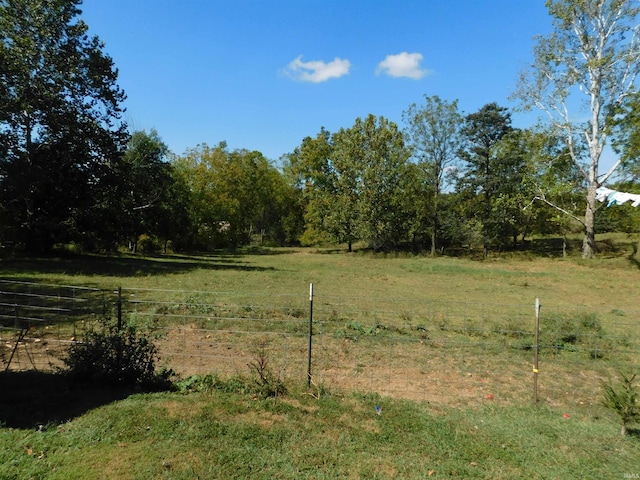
(224, 435)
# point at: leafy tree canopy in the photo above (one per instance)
(60, 123)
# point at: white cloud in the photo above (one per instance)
(402, 65)
(317, 71)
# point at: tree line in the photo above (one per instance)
(72, 173)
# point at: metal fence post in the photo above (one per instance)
(310, 333)
(536, 348)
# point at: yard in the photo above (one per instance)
(442, 346)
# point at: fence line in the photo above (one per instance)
(433, 350)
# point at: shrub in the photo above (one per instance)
(113, 357)
(574, 333)
(197, 383)
(212, 383)
(623, 401)
(147, 244)
(267, 384)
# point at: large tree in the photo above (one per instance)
(519, 160)
(216, 195)
(582, 73)
(433, 137)
(376, 146)
(552, 180)
(483, 177)
(627, 140)
(353, 182)
(59, 122)
(233, 196)
(146, 182)
(330, 169)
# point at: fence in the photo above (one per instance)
(39, 321)
(437, 351)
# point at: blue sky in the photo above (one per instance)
(264, 74)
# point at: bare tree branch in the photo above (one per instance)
(543, 199)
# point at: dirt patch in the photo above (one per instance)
(39, 351)
(463, 376)
(441, 373)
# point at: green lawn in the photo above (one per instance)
(230, 435)
(606, 283)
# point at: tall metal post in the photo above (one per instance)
(310, 333)
(119, 309)
(536, 348)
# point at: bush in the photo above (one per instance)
(212, 383)
(623, 401)
(147, 244)
(115, 357)
(574, 333)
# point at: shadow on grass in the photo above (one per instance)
(550, 247)
(121, 265)
(633, 433)
(34, 399)
(634, 257)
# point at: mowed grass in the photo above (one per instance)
(606, 283)
(225, 434)
(607, 286)
(235, 436)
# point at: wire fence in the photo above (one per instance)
(442, 352)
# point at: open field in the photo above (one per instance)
(606, 283)
(447, 330)
(455, 334)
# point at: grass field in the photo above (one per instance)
(52, 430)
(608, 282)
(235, 436)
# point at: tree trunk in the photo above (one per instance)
(589, 241)
(436, 220)
(485, 220)
(433, 243)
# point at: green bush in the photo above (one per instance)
(623, 401)
(581, 332)
(115, 357)
(147, 244)
(197, 383)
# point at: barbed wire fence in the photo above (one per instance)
(431, 350)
